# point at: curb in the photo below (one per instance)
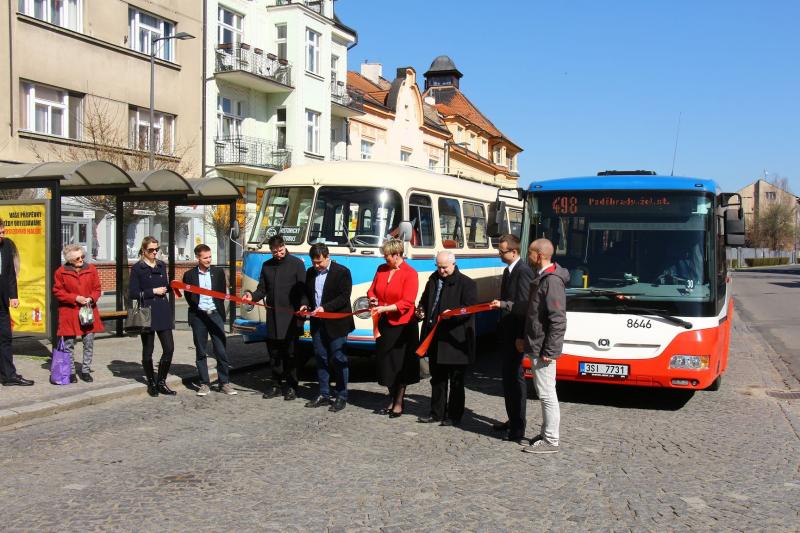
(23, 413)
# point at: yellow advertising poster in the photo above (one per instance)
(26, 232)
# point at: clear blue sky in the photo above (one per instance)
(588, 85)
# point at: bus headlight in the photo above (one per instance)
(689, 362)
(248, 307)
(362, 302)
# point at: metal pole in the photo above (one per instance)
(150, 141)
(232, 264)
(171, 241)
(122, 255)
(55, 251)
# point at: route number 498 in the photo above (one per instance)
(636, 323)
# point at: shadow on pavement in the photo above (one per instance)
(622, 396)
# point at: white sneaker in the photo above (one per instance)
(228, 389)
(540, 446)
(203, 390)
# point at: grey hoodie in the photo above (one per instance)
(546, 318)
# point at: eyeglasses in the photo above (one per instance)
(80, 258)
(503, 252)
(153, 250)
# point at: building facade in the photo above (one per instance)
(276, 94)
(757, 198)
(79, 74)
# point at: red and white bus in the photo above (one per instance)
(649, 300)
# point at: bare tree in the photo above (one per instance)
(217, 219)
(104, 140)
(774, 228)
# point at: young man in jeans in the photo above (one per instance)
(543, 338)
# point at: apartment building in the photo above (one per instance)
(398, 124)
(478, 150)
(78, 76)
(276, 94)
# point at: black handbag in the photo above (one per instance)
(138, 319)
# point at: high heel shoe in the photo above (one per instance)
(395, 414)
(384, 411)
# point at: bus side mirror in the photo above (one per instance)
(497, 219)
(405, 231)
(235, 230)
(734, 227)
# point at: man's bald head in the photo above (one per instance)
(445, 263)
(540, 253)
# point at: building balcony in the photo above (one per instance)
(347, 102)
(313, 5)
(251, 154)
(252, 68)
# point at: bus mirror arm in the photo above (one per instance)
(405, 231)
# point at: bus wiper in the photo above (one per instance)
(613, 295)
(656, 312)
(350, 244)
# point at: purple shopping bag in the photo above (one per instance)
(60, 365)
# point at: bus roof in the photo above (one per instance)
(625, 182)
(378, 174)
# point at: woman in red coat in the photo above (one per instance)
(392, 296)
(75, 284)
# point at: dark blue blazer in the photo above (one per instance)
(143, 280)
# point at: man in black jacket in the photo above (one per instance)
(513, 303)
(328, 289)
(453, 346)
(8, 298)
(282, 286)
(207, 317)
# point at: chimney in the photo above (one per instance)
(372, 71)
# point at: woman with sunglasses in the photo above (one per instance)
(148, 284)
(76, 284)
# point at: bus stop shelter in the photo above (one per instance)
(93, 178)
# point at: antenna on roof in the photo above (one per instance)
(675, 150)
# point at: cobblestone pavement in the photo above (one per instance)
(631, 459)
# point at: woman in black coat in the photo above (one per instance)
(453, 346)
(148, 284)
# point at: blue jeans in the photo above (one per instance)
(329, 352)
(204, 325)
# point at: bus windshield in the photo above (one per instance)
(284, 210)
(646, 245)
(357, 216)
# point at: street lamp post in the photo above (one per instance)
(151, 143)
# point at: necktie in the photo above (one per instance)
(435, 308)
(504, 285)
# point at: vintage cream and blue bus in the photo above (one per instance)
(353, 206)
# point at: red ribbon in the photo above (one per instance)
(177, 286)
(461, 311)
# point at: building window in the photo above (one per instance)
(52, 111)
(496, 157)
(144, 27)
(163, 131)
(512, 162)
(473, 142)
(366, 149)
(312, 131)
(405, 155)
(459, 134)
(432, 164)
(64, 13)
(229, 117)
(280, 127)
(484, 148)
(229, 28)
(281, 40)
(312, 51)
(475, 225)
(770, 196)
(334, 70)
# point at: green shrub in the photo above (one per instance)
(733, 263)
(766, 261)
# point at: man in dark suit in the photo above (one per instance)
(8, 298)
(328, 289)
(207, 317)
(453, 347)
(282, 286)
(513, 304)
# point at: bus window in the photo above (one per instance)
(286, 209)
(450, 223)
(515, 219)
(475, 225)
(362, 216)
(420, 211)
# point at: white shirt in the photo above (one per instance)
(206, 303)
(512, 265)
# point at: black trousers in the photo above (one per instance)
(167, 348)
(283, 362)
(514, 390)
(442, 406)
(7, 368)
